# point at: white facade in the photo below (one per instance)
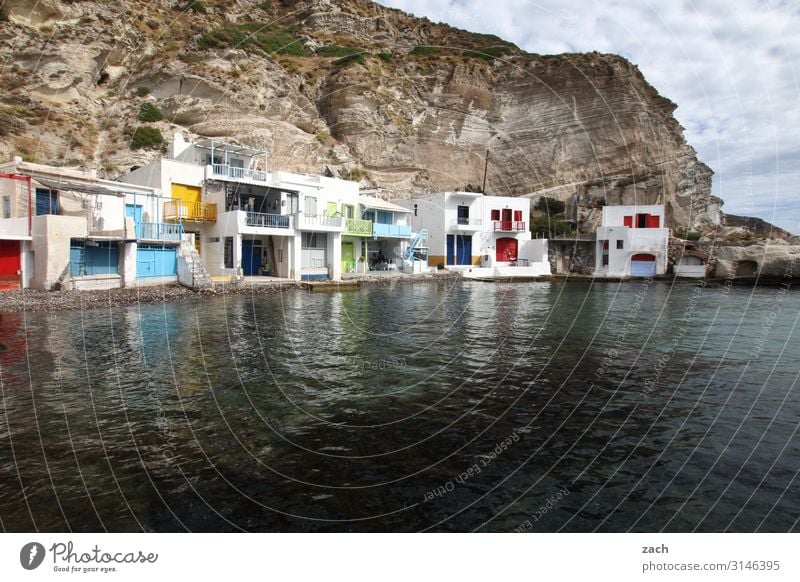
(468, 229)
(75, 226)
(249, 221)
(631, 241)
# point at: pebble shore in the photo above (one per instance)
(29, 300)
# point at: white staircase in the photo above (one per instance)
(416, 249)
(192, 273)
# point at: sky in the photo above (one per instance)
(731, 66)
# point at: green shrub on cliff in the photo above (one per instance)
(254, 36)
(149, 112)
(146, 138)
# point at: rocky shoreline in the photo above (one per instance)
(29, 300)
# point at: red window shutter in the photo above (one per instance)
(628, 221)
(517, 215)
(605, 244)
(653, 221)
(495, 215)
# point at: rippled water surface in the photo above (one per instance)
(459, 407)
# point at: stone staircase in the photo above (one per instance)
(192, 273)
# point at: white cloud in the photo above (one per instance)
(733, 68)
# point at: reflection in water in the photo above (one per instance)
(445, 407)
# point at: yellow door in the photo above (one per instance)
(189, 197)
(186, 193)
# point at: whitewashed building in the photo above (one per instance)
(480, 235)
(77, 230)
(248, 221)
(631, 241)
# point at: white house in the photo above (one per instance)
(249, 221)
(76, 230)
(631, 241)
(467, 230)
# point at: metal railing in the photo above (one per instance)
(509, 225)
(391, 230)
(466, 222)
(318, 220)
(357, 227)
(195, 211)
(158, 231)
(238, 173)
(262, 220)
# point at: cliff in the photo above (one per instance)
(349, 87)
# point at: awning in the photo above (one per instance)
(380, 204)
(231, 148)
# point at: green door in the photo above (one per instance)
(348, 258)
(331, 209)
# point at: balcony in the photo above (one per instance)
(357, 227)
(509, 225)
(261, 220)
(318, 222)
(466, 224)
(391, 230)
(159, 231)
(226, 172)
(195, 211)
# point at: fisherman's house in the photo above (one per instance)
(65, 228)
(631, 241)
(480, 236)
(251, 222)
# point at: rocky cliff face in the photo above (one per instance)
(348, 87)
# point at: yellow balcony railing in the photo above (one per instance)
(356, 227)
(194, 211)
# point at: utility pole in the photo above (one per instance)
(485, 170)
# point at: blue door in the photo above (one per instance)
(643, 265)
(154, 260)
(46, 202)
(134, 211)
(464, 250)
(93, 258)
(251, 257)
(450, 250)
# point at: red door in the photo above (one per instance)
(9, 264)
(506, 250)
(507, 219)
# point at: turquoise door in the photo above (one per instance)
(134, 211)
(93, 258)
(155, 261)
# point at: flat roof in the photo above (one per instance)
(233, 148)
(381, 204)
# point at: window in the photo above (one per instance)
(495, 214)
(620, 245)
(463, 214)
(315, 240)
(228, 252)
(310, 205)
(6, 207)
(46, 201)
(518, 216)
(347, 210)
